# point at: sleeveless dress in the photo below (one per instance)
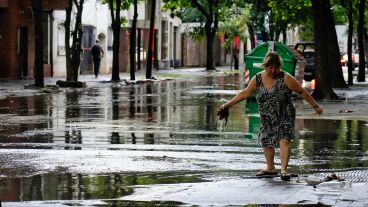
(276, 110)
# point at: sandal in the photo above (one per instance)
(285, 177)
(266, 173)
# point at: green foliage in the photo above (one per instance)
(235, 24)
(190, 15)
(294, 12)
(339, 14)
(196, 31)
(123, 21)
(233, 16)
(176, 4)
(306, 31)
(125, 5)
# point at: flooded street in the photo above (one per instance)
(104, 144)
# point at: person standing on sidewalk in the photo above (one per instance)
(97, 54)
(277, 112)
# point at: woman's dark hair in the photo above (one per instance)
(272, 59)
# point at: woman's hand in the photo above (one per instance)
(223, 113)
(318, 109)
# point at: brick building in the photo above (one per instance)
(17, 37)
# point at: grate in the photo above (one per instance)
(352, 175)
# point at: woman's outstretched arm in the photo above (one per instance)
(294, 85)
(242, 95)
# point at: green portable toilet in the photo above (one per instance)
(254, 59)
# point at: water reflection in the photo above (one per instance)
(22, 117)
(115, 102)
(330, 144)
(335, 144)
(82, 187)
(132, 102)
(177, 113)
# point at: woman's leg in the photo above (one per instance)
(269, 153)
(285, 150)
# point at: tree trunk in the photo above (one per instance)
(151, 40)
(209, 37)
(115, 52)
(264, 35)
(38, 30)
(73, 52)
(349, 12)
(77, 41)
(323, 89)
(361, 71)
(115, 24)
(251, 36)
(277, 35)
(333, 54)
(139, 50)
(132, 49)
(236, 60)
(284, 34)
(366, 43)
(67, 26)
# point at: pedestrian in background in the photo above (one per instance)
(97, 54)
(273, 89)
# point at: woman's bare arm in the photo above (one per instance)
(294, 85)
(242, 95)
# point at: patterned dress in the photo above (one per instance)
(276, 110)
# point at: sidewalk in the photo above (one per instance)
(254, 191)
(16, 87)
(228, 192)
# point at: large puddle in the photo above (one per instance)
(100, 142)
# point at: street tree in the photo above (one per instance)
(116, 6)
(289, 14)
(266, 19)
(74, 32)
(327, 56)
(37, 10)
(366, 41)
(133, 38)
(151, 40)
(234, 27)
(211, 10)
(257, 20)
(348, 7)
(360, 32)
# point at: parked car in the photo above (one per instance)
(306, 49)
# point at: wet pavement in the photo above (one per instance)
(160, 144)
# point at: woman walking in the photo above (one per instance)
(277, 112)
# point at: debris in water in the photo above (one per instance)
(313, 180)
(346, 111)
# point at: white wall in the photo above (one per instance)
(59, 62)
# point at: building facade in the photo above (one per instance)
(17, 40)
(96, 22)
